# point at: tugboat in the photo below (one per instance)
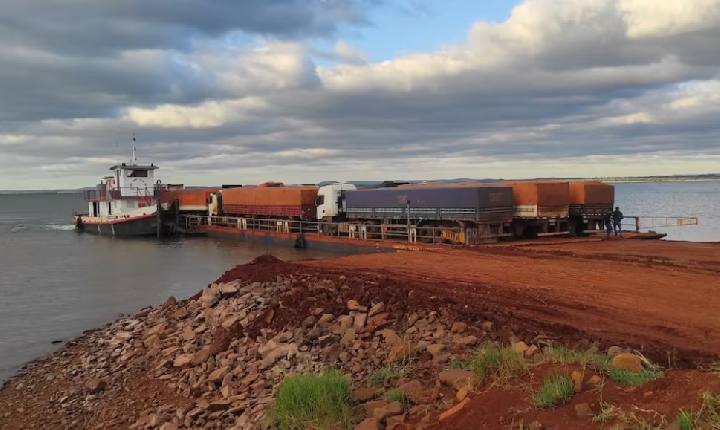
(123, 204)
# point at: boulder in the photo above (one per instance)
(466, 341)
(456, 378)
(183, 360)
(228, 288)
(96, 385)
(614, 350)
(391, 337)
(626, 361)
(364, 394)
(348, 338)
(169, 426)
(353, 305)
(370, 407)
(376, 309)
(594, 380)
(219, 405)
(360, 320)
(156, 330)
(390, 410)
(461, 394)
(582, 410)
(435, 349)
(577, 378)
(520, 347)
(368, 424)
(202, 356)
(210, 296)
(218, 375)
(532, 350)
(393, 422)
(416, 393)
(459, 327)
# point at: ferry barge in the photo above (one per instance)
(124, 204)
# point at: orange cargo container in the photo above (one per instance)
(270, 201)
(189, 200)
(591, 193)
(540, 199)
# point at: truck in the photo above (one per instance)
(468, 214)
(590, 201)
(540, 208)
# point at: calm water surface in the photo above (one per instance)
(55, 283)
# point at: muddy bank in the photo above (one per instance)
(216, 360)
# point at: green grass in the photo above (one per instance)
(625, 377)
(608, 413)
(492, 361)
(685, 420)
(555, 390)
(638, 423)
(710, 410)
(396, 395)
(560, 355)
(381, 375)
(313, 401)
(603, 364)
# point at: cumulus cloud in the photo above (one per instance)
(572, 84)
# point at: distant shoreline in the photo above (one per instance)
(620, 180)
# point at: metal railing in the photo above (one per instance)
(353, 230)
(652, 222)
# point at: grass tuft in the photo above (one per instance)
(608, 413)
(383, 374)
(639, 423)
(685, 420)
(634, 379)
(560, 355)
(397, 395)
(710, 410)
(602, 363)
(555, 390)
(314, 401)
(494, 361)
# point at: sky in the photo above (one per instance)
(247, 91)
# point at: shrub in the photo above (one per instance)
(494, 361)
(555, 390)
(397, 395)
(315, 401)
(381, 375)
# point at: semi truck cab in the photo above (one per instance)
(330, 201)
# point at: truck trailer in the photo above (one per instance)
(540, 208)
(590, 201)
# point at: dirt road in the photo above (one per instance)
(661, 297)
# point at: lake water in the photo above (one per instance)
(55, 283)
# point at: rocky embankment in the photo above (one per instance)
(215, 360)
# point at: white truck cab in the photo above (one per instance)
(330, 199)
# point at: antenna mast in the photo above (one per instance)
(134, 156)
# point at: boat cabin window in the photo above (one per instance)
(138, 174)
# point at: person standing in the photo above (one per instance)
(608, 223)
(617, 218)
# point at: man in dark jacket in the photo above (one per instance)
(617, 218)
(608, 223)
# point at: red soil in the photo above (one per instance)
(615, 292)
(505, 406)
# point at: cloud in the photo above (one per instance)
(562, 86)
